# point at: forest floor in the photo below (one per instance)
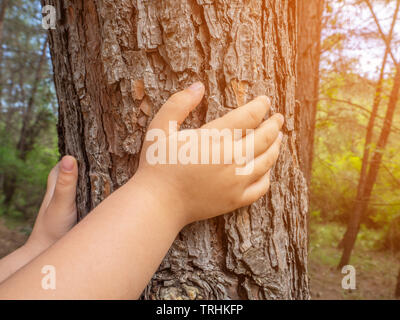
(10, 238)
(376, 271)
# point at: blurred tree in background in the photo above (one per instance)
(28, 142)
(356, 169)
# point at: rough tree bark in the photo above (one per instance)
(104, 51)
(307, 90)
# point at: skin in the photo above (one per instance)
(57, 215)
(115, 250)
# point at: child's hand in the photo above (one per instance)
(201, 191)
(57, 214)
(129, 233)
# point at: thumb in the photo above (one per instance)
(178, 107)
(65, 188)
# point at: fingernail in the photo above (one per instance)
(280, 136)
(282, 118)
(266, 99)
(67, 164)
(197, 86)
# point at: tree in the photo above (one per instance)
(375, 163)
(368, 176)
(371, 126)
(117, 61)
(26, 117)
(307, 90)
(32, 125)
(3, 9)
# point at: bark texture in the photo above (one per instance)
(117, 61)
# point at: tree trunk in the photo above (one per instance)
(307, 90)
(376, 160)
(370, 128)
(397, 290)
(104, 50)
(29, 131)
(26, 139)
(3, 9)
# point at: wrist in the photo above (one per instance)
(161, 197)
(35, 245)
(30, 250)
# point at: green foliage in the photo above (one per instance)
(26, 157)
(31, 175)
(343, 113)
(391, 240)
(323, 242)
(376, 270)
(339, 143)
(324, 239)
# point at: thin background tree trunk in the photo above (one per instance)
(397, 290)
(104, 50)
(370, 128)
(30, 128)
(368, 179)
(372, 175)
(3, 9)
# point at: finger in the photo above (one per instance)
(178, 107)
(51, 184)
(63, 200)
(52, 179)
(248, 116)
(256, 190)
(265, 161)
(264, 136)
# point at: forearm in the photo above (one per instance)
(16, 260)
(25, 254)
(111, 254)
